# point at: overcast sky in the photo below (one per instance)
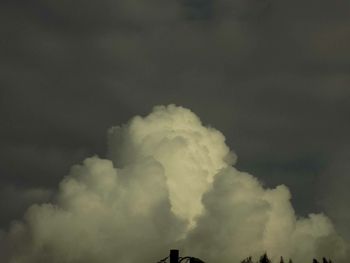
(273, 76)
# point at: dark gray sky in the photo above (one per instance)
(273, 76)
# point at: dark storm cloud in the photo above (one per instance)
(272, 75)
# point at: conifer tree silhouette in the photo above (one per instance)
(315, 261)
(264, 259)
(324, 260)
(281, 260)
(290, 261)
(247, 260)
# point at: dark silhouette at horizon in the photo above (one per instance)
(174, 257)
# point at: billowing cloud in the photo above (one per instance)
(266, 71)
(169, 181)
(242, 217)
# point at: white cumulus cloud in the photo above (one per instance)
(168, 182)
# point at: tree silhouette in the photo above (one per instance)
(174, 258)
(247, 260)
(264, 259)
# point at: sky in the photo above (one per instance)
(272, 76)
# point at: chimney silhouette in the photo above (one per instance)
(174, 256)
